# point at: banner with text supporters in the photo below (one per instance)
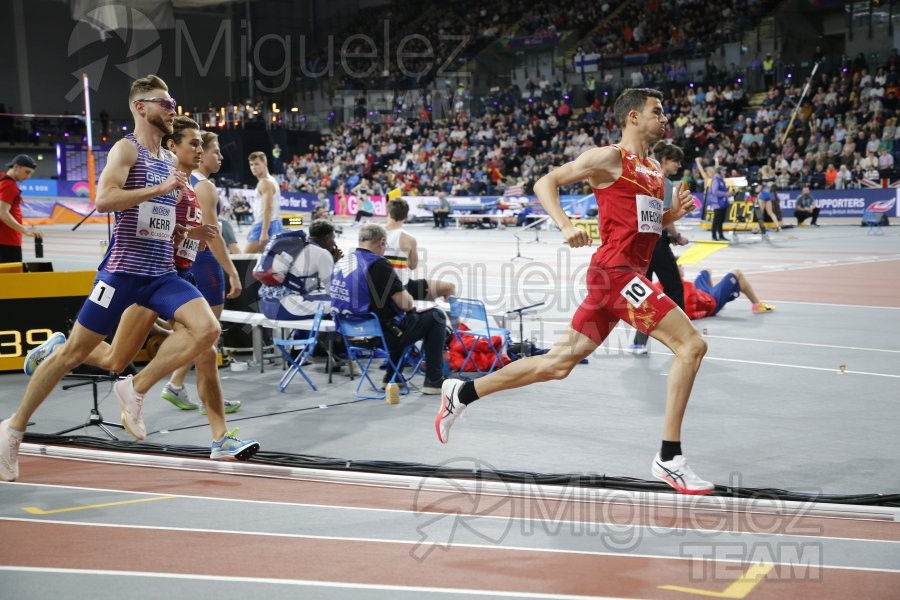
(845, 203)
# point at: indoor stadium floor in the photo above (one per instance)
(803, 399)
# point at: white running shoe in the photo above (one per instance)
(37, 355)
(638, 349)
(9, 451)
(680, 476)
(132, 408)
(451, 409)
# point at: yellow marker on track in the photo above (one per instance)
(40, 511)
(700, 250)
(738, 589)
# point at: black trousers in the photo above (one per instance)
(719, 215)
(803, 215)
(430, 326)
(663, 264)
(12, 254)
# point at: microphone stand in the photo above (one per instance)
(518, 249)
(523, 350)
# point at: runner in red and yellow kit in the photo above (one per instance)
(628, 186)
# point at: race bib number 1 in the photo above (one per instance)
(102, 294)
(635, 291)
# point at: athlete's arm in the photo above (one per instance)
(267, 192)
(110, 193)
(7, 219)
(410, 246)
(682, 204)
(403, 300)
(324, 266)
(207, 196)
(599, 165)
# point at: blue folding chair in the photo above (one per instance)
(474, 315)
(365, 342)
(306, 348)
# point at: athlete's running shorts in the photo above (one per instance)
(114, 292)
(274, 229)
(724, 292)
(617, 294)
(210, 277)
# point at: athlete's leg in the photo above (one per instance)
(745, 287)
(677, 333)
(767, 206)
(567, 352)
(209, 387)
(178, 376)
(136, 323)
(440, 289)
(64, 358)
(253, 244)
(199, 331)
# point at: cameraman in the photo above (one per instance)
(366, 282)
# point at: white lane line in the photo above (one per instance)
(826, 264)
(771, 364)
(836, 305)
(809, 344)
(620, 327)
(416, 544)
(654, 529)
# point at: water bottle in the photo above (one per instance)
(392, 393)
(38, 247)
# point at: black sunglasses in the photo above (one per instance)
(167, 103)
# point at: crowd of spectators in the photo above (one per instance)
(844, 134)
(688, 27)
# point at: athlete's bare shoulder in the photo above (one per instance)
(604, 165)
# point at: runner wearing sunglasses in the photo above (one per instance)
(142, 186)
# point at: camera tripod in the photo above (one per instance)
(95, 419)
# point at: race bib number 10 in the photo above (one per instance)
(635, 291)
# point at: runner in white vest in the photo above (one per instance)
(266, 205)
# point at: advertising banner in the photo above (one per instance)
(38, 187)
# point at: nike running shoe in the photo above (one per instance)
(132, 407)
(230, 407)
(9, 451)
(37, 355)
(762, 307)
(232, 448)
(179, 398)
